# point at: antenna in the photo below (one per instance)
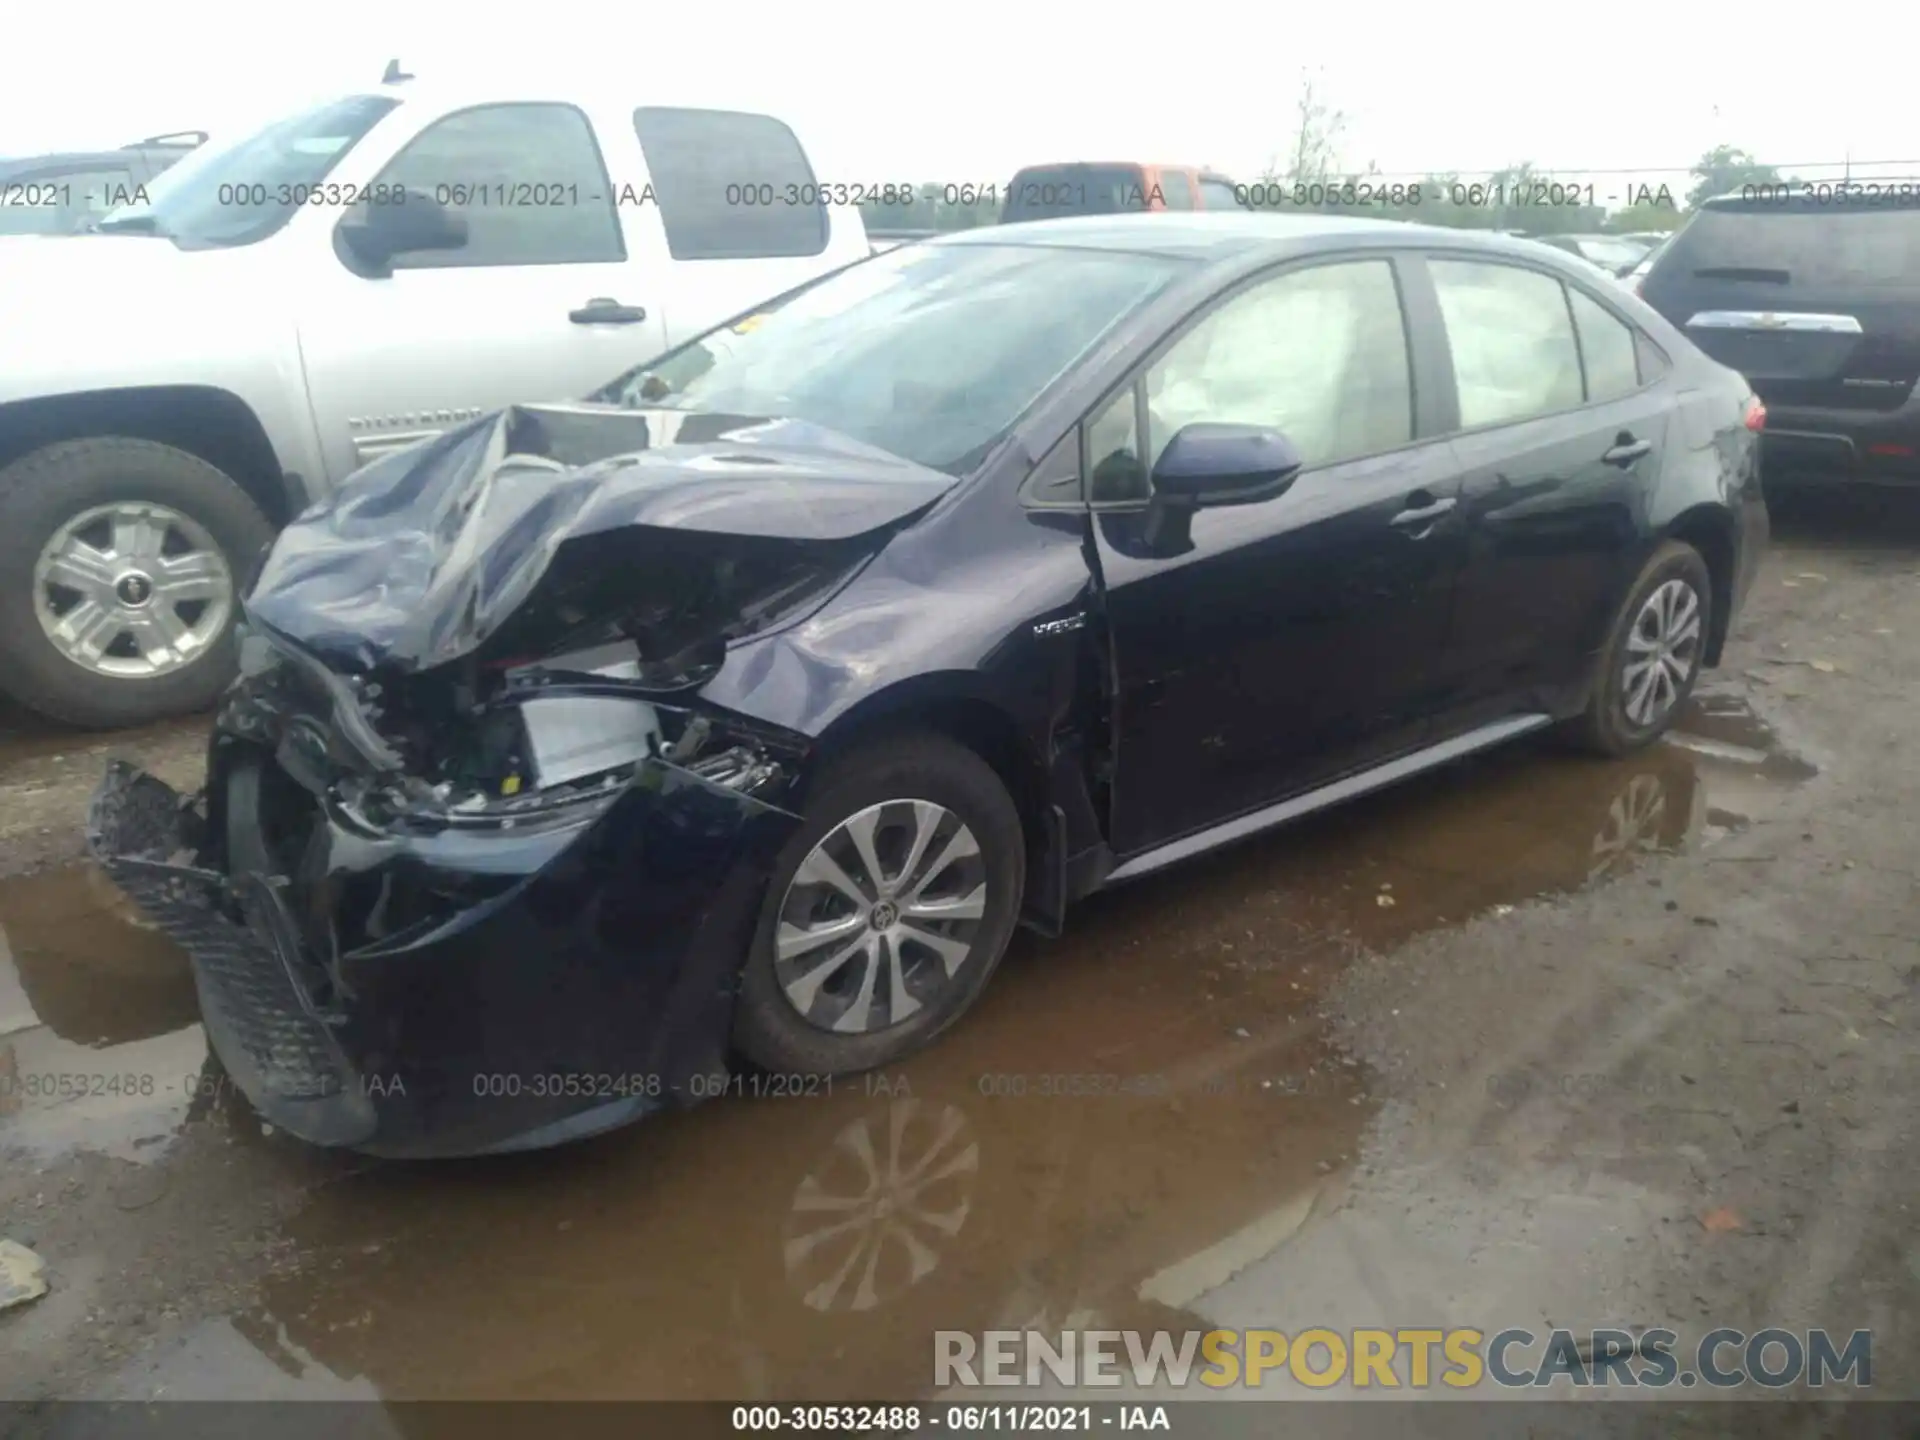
(394, 74)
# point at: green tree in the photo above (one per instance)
(1314, 155)
(1726, 168)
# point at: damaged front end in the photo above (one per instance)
(526, 933)
(475, 866)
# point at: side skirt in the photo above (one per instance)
(1340, 791)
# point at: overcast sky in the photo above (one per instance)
(971, 91)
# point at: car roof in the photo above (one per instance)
(1229, 234)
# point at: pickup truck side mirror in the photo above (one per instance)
(408, 222)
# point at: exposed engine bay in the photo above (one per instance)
(491, 743)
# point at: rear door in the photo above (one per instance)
(1817, 304)
(1562, 425)
(550, 296)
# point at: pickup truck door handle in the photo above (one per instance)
(1421, 511)
(602, 311)
(1626, 450)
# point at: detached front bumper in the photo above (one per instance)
(495, 991)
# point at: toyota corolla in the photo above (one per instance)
(729, 722)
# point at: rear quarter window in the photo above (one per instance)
(731, 185)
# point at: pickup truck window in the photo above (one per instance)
(58, 202)
(731, 185)
(1218, 195)
(528, 179)
(239, 192)
(931, 352)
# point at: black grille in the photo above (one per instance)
(268, 1035)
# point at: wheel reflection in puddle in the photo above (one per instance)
(872, 1218)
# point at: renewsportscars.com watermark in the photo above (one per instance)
(1415, 1359)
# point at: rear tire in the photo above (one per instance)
(180, 507)
(852, 990)
(1653, 656)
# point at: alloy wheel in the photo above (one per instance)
(132, 589)
(880, 916)
(1663, 651)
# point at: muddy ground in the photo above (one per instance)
(1539, 1041)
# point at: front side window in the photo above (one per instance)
(1319, 354)
(239, 192)
(1607, 346)
(731, 185)
(528, 181)
(1511, 336)
(933, 352)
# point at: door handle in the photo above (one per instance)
(1627, 450)
(1415, 516)
(602, 311)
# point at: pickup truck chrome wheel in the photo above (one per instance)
(1662, 652)
(133, 589)
(880, 916)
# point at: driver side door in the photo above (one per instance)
(1293, 640)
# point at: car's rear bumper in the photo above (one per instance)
(1869, 446)
(537, 988)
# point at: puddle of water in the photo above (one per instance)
(100, 1042)
(1132, 1114)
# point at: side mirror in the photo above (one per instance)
(401, 226)
(1210, 464)
(1207, 464)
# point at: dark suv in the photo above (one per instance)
(1815, 297)
(62, 194)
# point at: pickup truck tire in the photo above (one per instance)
(186, 529)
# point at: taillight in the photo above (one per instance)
(1756, 414)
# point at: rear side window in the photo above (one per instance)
(1607, 347)
(1050, 191)
(480, 165)
(1821, 250)
(1511, 335)
(1176, 190)
(1218, 195)
(731, 185)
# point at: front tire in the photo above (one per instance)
(121, 568)
(1653, 656)
(887, 911)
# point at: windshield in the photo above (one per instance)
(247, 189)
(932, 352)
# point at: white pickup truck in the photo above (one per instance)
(350, 279)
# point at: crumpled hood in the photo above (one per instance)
(422, 556)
